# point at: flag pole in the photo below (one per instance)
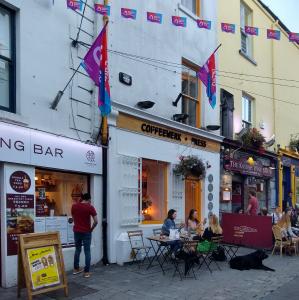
(217, 48)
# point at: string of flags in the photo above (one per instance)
(154, 17)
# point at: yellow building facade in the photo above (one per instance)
(261, 77)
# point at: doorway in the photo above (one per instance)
(192, 197)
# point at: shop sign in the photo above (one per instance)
(165, 133)
(243, 167)
(32, 147)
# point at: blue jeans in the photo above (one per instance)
(84, 238)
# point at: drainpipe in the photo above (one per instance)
(105, 142)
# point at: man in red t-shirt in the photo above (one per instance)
(253, 205)
(82, 213)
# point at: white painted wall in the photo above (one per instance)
(137, 145)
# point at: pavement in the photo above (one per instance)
(129, 282)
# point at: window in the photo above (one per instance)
(55, 192)
(246, 20)
(7, 60)
(190, 95)
(154, 191)
(192, 5)
(246, 111)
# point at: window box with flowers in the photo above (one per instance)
(190, 166)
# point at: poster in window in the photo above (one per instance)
(43, 267)
(19, 219)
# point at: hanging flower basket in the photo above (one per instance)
(253, 139)
(294, 143)
(190, 166)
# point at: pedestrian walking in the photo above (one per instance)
(253, 205)
(82, 213)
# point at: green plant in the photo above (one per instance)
(190, 166)
(253, 138)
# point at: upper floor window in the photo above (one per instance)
(247, 110)
(190, 95)
(192, 5)
(246, 20)
(7, 60)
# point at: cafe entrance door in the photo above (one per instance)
(192, 197)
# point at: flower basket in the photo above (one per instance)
(253, 139)
(190, 166)
(294, 143)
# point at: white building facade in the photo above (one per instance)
(47, 157)
(56, 150)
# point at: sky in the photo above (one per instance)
(287, 11)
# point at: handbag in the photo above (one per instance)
(205, 246)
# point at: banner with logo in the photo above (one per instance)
(74, 4)
(294, 37)
(101, 9)
(273, 34)
(229, 28)
(154, 17)
(129, 13)
(43, 267)
(204, 24)
(251, 30)
(179, 21)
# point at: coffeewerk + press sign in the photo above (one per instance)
(162, 132)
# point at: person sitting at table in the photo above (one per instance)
(214, 228)
(169, 223)
(276, 215)
(286, 228)
(193, 225)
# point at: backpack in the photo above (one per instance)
(219, 254)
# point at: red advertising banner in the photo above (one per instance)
(19, 218)
(249, 231)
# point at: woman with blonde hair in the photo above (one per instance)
(214, 228)
(285, 225)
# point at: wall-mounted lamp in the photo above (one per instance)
(125, 78)
(213, 127)
(175, 103)
(180, 117)
(145, 104)
(250, 161)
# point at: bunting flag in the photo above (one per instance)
(101, 9)
(95, 63)
(273, 34)
(179, 21)
(294, 37)
(207, 74)
(74, 4)
(251, 30)
(204, 24)
(129, 13)
(154, 17)
(229, 28)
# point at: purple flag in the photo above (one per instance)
(273, 34)
(294, 37)
(251, 30)
(102, 9)
(74, 4)
(230, 28)
(129, 13)
(96, 65)
(204, 24)
(179, 21)
(154, 17)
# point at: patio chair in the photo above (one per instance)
(157, 231)
(138, 247)
(279, 243)
(186, 255)
(206, 256)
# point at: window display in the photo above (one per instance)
(154, 191)
(55, 192)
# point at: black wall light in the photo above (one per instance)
(213, 127)
(180, 117)
(125, 78)
(145, 104)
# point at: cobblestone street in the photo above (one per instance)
(128, 282)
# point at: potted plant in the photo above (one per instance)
(294, 142)
(253, 139)
(190, 166)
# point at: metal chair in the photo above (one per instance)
(138, 247)
(157, 231)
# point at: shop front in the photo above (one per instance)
(243, 172)
(145, 149)
(41, 176)
(288, 178)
